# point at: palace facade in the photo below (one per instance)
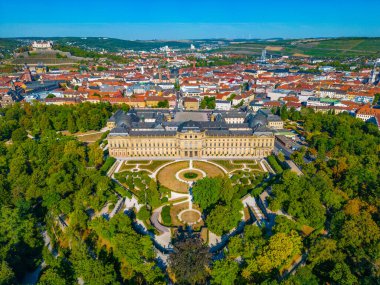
(150, 134)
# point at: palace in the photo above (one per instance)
(160, 134)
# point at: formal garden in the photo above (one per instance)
(216, 188)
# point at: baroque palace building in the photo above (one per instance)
(157, 134)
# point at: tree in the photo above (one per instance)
(163, 104)
(341, 274)
(143, 214)
(95, 155)
(298, 197)
(19, 135)
(7, 276)
(50, 277)
(20, 242)
(208, 103)
(284, 225)
(222, 219)
(190, 260)
(224, 272)
(134, 252)
(71, 125)
(322, 250)
(206, 192)
(92, 271)
(376, 99)
(303, 276)
(279, 249)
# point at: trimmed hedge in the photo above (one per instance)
(165, 215)
(274, 164)
(107, 165)
(190, 175)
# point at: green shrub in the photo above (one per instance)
(165, 215)
(190, 175)
(257, 191)
(143, 214)
(164, 199)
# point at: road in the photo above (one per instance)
(156, 223)
(178, 105)
(279, 147)
(286, 151)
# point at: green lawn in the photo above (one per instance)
(126, 167)
(138, 161)
(155, 164)
(227, 165)
(245, 161)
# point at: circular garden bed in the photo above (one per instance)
(190, 216)
(190, 174)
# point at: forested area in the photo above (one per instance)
(38, 118)
(338, 196)
(50, 184)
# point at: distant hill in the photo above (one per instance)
(328, 47)
(49, 57)
(319, 47)
(98, 43)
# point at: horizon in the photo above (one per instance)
(129, 20)
(192, 39)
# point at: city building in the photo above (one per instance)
(42, 44)
(191, 103)
(366, 112)
(204, 135)
(222, 105)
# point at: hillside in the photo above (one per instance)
(109, 44)
(327, 47)
(51, 57)
(338, 47)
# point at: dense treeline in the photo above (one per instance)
(79, 52)
(38, 118)
(338, 193)
(50, 186)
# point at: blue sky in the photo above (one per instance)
(169, 19)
